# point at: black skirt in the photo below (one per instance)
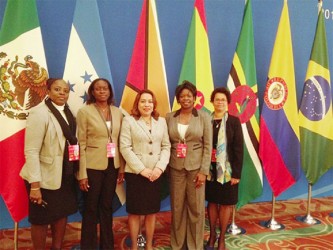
(60, 203)
(142, 196)
(225, 194)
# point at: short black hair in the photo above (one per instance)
(222, 90)
(50, 81)
(186, 85)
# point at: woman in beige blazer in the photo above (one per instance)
(48, 172)
(190, 133)
(101, 164)
(145, 146)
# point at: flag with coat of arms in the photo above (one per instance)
(23, 75)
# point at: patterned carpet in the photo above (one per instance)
(295, 235)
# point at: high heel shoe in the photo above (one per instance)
(208, 247)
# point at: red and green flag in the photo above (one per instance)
(315, 112)
(23, 78)
(242, 83)
(196, 66)
(147, 70)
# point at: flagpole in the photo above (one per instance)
(16, 235)
(272, 223)
(308, 219)
(233, 229)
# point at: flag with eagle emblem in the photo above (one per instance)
(23, 75)
(196, 66)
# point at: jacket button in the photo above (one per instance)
(151, 153)
(150, 142)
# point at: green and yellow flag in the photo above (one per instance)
(242, 83)
(316, 117)
(196, 66)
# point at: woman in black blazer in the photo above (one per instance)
(226, 166)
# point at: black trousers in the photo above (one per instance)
(98, 208)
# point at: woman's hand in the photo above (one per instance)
(156, 173)
(35, 196)
(120, 178)
(146, 173)
(84, 186)
(200, 180)
(234, 181)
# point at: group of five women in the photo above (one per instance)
(203, 152)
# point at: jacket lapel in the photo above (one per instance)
(58, 129)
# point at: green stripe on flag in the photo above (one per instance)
(188, 66)
(20, 17)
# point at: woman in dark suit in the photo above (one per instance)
(145, 145)
(226, 166)
(49, 170)
(101, 164)
(190, 133)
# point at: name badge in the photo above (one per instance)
(181, 150)
(213, 155)
(110, 150)
(73, 152)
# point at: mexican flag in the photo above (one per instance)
(23, 78)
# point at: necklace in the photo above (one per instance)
(217, 122)
(147, 121)
(100, 108)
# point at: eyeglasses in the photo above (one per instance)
(220, 100)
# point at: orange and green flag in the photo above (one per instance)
(147, 70)
(315, 112)
(242, 83)
(196, 66)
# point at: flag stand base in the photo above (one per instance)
(233, 229)
(141, 241)
(308, 219)
(272, 224)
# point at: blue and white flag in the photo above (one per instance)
(87, 60)
(87, 56)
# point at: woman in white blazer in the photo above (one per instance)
(48, 172)
(145, 146)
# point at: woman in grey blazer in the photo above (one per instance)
(190, 133)
(101, 164)
(49, 168)
(145, 146)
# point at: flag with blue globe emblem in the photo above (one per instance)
(315, 112)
